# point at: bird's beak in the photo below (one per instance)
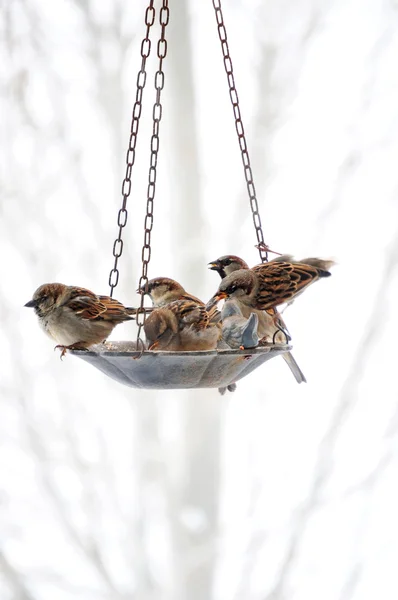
(31, 304)
(216, 298)
(213, 266)
(141, 290)
(153, 346)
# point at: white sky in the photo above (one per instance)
(318, 86)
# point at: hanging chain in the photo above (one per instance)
(233, 94)
(156, 116)
(130, 157)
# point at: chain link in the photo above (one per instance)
(130, 157)
(156, 117)
(233, 94)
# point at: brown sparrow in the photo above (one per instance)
(271, 327)
(267, 326)
(268, 285)
(163, 290)
(182, 325)
(75, 317)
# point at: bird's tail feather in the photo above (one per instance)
(293, 366)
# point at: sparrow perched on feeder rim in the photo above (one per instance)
(268, 285)
(75, 317)
(163, 290)
(182, 325)
(271, 327)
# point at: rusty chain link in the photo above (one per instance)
(222, 34)
(130, 157)
(156, 117)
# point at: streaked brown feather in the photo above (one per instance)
(181, 325)
(89, 306)
(279, 282)
(190, 313)
(190, 298)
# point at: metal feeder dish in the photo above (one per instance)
(176, 370)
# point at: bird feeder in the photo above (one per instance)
(176, 370)
(131, 363)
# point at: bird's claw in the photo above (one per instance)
(63, 350)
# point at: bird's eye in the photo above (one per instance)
(232, 289)
(43, 298)
(227, 262)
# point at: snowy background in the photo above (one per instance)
(275, 492)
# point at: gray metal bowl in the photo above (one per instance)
(176, 370)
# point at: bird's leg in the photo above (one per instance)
(76, 346)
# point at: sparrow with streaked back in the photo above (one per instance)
(75, 317)
(163, 290)
(181, 326)
(271, 327)
(268, 285)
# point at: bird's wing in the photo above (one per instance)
(191, 298)
(190, 313)
(89, 306)
(85, 303)
(278, 282)
(114, 310)
(213, 313)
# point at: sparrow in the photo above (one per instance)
(268, 285)
(163, 290)
(271, 327)
(76, 318)
(237, 331)
(182, 325)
